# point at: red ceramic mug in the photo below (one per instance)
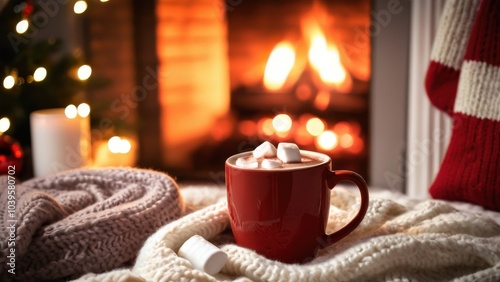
(282, 213)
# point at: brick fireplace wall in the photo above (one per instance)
(120, 42)
(194, 92)
(109, 34)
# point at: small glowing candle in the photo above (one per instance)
(60, 140)
(327, 140)
(117, 151)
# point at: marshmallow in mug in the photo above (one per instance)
(264, 150)
(247, 163)
(286, 153)
(289, 153)
(266, 163)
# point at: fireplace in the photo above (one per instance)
(232, 74)
(300, 73)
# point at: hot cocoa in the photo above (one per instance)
(305, 161)
(287, 155)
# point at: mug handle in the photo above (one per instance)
(334, 177)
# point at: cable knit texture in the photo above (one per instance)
(466, 85)
(407, 241)
(84, 221)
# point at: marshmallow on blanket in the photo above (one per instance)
(203, 255)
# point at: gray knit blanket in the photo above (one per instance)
(81, 221)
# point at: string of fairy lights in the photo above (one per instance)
(40, 73)
(81, 6)
(11, 80)
(116, 144)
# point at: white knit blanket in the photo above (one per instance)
(399, 240)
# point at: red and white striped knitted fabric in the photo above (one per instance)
(463, 79)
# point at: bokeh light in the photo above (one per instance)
(40, 74)
(346, 140)
(322, 100)
(83, 110)
(282, 123)
(71, 111)
(265, 125)
(9, 82)
(327, 140)
(4, 124)
(302, 137)
(247, 128)
(342, 128)
(315, 126)
(84, 72)
(22, 26)
(118, 145)
(80, 7)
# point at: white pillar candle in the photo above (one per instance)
(58, 143)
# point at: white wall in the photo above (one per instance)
(429, 129)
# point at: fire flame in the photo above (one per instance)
(325, 59)
(279, 65)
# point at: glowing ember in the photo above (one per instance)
(327, 140)
(346, 140)
(303, 92)
(282, 123)
(342, 127)
(247, 127)
(357, 146)
(303, 137)
(279, 65)
(265, 126)
(222, 131)
(315, 126)
(322, 100)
